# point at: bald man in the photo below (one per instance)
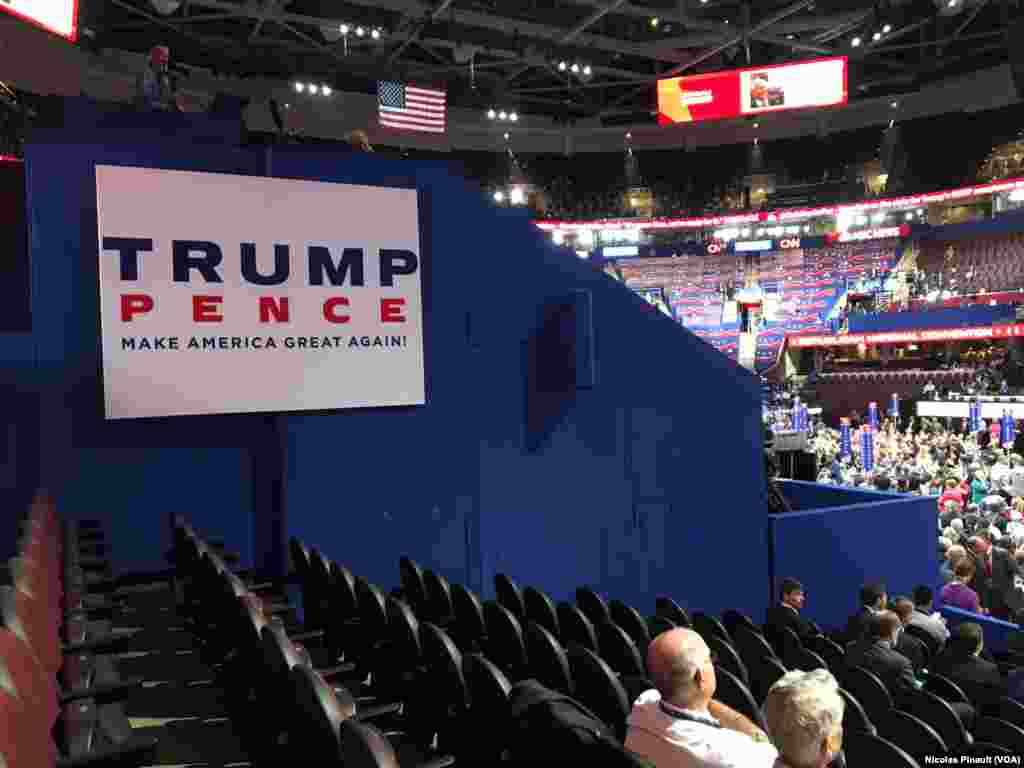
(680, 725)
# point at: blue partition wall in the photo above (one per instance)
(640, 483)
(834, 550)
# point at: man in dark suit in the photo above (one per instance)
(915, 650)
(962, 663)
(787, 612)
(876, 652)
(872, 600)
(994, 577)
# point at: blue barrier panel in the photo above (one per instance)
(999, 635)
(835, 550)
(946, 317)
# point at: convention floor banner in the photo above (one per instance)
(245, 294)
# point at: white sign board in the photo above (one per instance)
(243, 294)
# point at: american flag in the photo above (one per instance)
(412, 109)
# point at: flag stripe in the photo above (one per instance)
(410, 108)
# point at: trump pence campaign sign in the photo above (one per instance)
(244, 294)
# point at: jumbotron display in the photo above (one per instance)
(741, 92)
(57, 16)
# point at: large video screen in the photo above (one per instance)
(57, 16)
(244, 294)
(739, 92)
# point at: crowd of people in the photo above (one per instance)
(900, 641)
(978, 485)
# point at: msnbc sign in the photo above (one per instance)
(243, 294)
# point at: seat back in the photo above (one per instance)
(656, 625)
(444, 667)
(752, 647)
(440, 608)
(363, 746)
(414, 589)
(708, 626)
(619, 651)
(727, 658)
(940, 716)
(403, 634)
(316, 714)
(1000, 732)
(670, 609)
(867, 749)
(925, 637)
(470, 626)
(763, 674)
(945, 688)
(854, 716)
(912, 735)
(510, 596)
(632, 623)
(577, 629)
(807, 660)
(869, 691)
(829, 650)
(505, 644)
(593, 606)
(732, 692)
(541, 610)
(548, 662)
(599, 689)
(343, 601)
(488, 687)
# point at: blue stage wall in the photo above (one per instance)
(835, 550)
(641, 483)
(1000, 636)
(958, 317)
(806, 496)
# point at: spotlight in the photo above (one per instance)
(562, 66)
(855, 42)
(894, 104)
(325, 90)
(312, 89)
(628, 135)
(952, 3)
(375, 34)
(506, 135)
(344, 29)
(516, 196)
(490, 114)
(877, 36)
(655, 21)
(757, 125)
(299, 87)
(513, 116)
(887, 29)
(575, 69)
(909, 216)
(586, 71)
(499, 196)
(502, 115)
(360, 32)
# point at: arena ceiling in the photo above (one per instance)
(507, 52)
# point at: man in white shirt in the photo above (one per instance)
(680, 725)
(925, 617)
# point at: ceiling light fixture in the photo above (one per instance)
(855, 42)
(512, 116)
(877, 36)
(887, 29)
(491, 114)
(575, 69)
(587, 70)
(502, 115)
(344, 29)
(360, 32)
(299, 87)
(375, 34)
(325, 90)
(655, 21)
(562, 66)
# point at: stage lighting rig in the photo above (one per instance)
(503, 116)
(577, 68)
(313, 89)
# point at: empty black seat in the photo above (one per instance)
(548, 661)
(470, 628)
(440, 609)
(864, 749)
(922, 634)
(807, 660)
(619, 651)
(630, 620)
(1006, 709)
(728, 659)
(670, 609)
(593, 606)
(414, 589)
(854, 716)
(1000, 732)
(708, 626)
(940, 716)
(505, 644)
(869, 691)
(732, 619)
(488, 687)
(912, 735)
(540, 609)
(577, 629)
(732, 692)
(361, 745)
(510, 596)
(831, 651)
(945, 688)
(764, 672)
(752, 647)
(599, 689)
